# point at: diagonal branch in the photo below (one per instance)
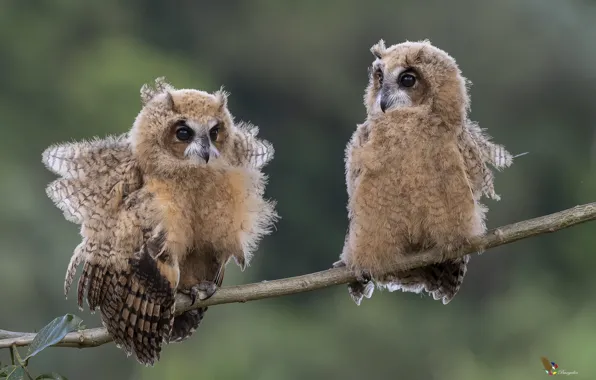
(336, 276)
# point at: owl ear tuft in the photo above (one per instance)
(149, 92)
(162, 85)
(378, 49)
(222, 97)
(169, 101)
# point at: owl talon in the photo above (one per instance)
(362, 287)
(339, 264)
(356, 296)
(369, 289)
(364, 277)
(203, 290)
(241, 262)
(359, 290)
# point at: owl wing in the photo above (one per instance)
(357, 290)
(492, 153)
(126, 273)
(130, 276)
(478, 151)
(95, 176)
(250, 150)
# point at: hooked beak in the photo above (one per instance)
(204, 152)
(201, 148)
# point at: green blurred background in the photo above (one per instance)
(72, 70)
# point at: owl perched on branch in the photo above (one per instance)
(415, 171)
(162, 210)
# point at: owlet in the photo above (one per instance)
(415, 171)
(162, 210)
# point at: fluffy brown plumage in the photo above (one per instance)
(162, 210)
(415, 171)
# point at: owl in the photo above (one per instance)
(163, 209)
(416, 170)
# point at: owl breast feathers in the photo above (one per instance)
(416, 170)
(162, 210)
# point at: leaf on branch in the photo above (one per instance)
(15, 373)
(53, 333)
(53, 375)
(5, 370)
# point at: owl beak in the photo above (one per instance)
(199, 148)
(205, 156)
(202, 148)
(205, 151)
(383, 104)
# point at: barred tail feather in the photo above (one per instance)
(186, 324)
(442, 281)
(135, 297)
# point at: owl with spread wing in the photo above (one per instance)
(163, 209)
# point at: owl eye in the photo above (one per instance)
(407, 80)
(184, 133)
(214, 132)
(379, 76)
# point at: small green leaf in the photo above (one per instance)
(17, 373)
(4, 371)
(53, 333)
(53, 375)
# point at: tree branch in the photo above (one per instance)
(336, 276)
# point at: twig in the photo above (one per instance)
(81, 339)
(336, 276)
(13, 348)
(9, 334)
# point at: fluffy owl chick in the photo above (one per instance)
(162, 210)
(415, 171)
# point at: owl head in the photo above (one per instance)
(414, 74)
(181, 128)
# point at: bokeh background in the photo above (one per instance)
(73, 69)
